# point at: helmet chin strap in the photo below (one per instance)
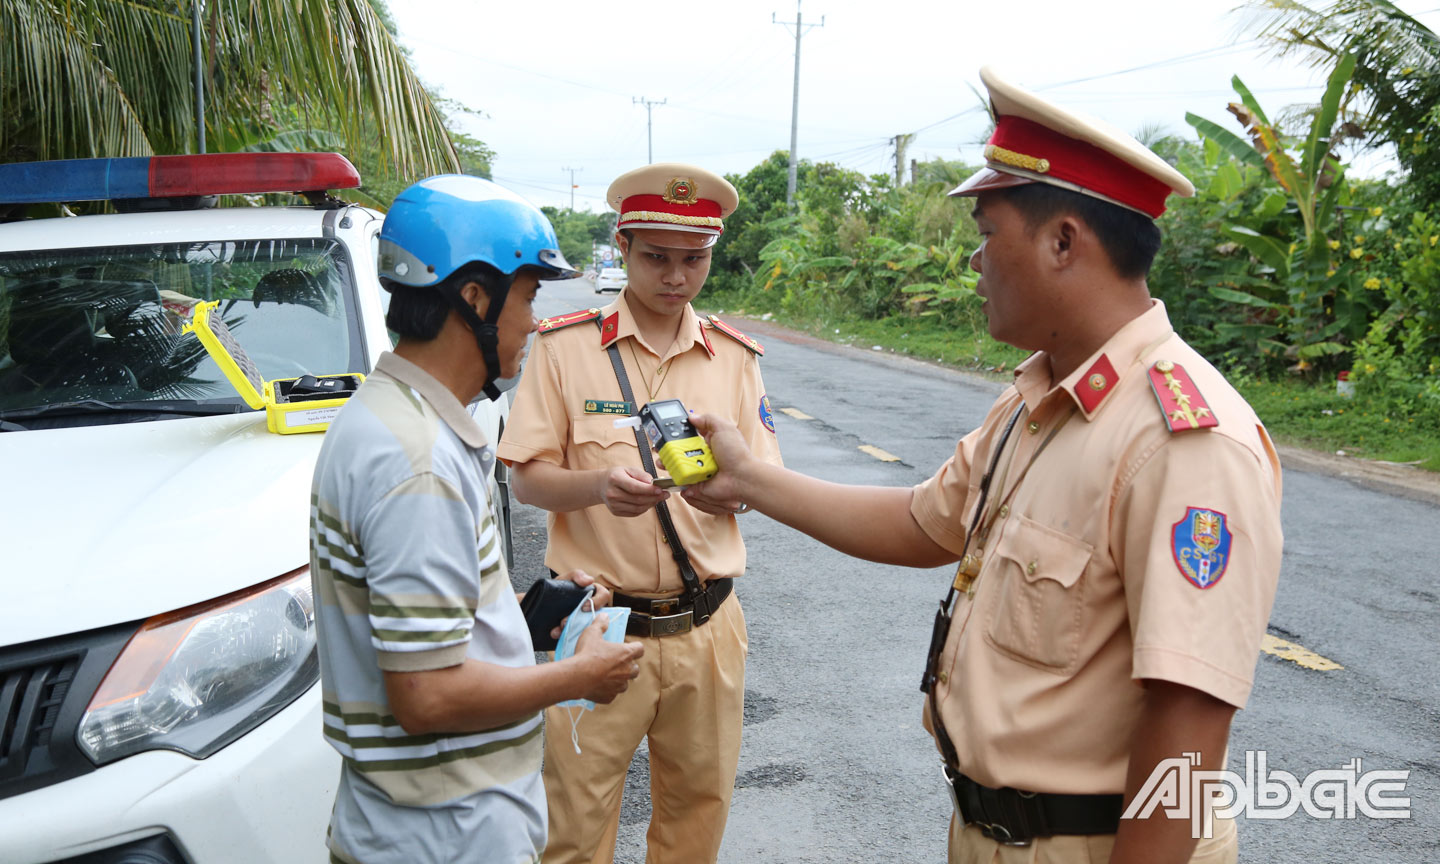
(487, 332)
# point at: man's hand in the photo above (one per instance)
(702, 496)
(630, 492)
(721, 494)
(611, 666)
(601, 598)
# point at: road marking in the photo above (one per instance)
(1297, 654)
(796, 413)
(878, 453)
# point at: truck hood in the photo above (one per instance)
(117, 523)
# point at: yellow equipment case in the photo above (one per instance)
(286, 412)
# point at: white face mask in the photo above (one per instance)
(570, 635)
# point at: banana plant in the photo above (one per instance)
(1299, 289)
(947, 277)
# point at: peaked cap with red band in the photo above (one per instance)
(673, 197)
(1038, 142)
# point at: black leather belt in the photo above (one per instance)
(668, 616)
(1014, 818)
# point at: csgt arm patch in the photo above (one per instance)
(1201, 545)
(767, 417)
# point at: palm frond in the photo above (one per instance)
(58, 99)
(115, 77)
(1397, 58)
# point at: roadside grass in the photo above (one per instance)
(925, 338)
(1312, 416)
(1296, 413)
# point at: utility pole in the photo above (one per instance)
(199, 60)
(572, 184)
(800, 29)
(902, 141)
(649, 141)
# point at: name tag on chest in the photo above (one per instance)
(602, 406)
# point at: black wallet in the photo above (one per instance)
(545, 605)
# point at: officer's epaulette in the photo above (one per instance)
(560, 322)
(748, 342)
(1181, 403)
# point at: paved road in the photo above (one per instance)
(835, 764)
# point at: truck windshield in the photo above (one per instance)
(103, 325)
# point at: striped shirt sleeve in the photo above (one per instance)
(424, 558)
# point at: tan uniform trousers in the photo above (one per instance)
(690, 701)
(969, 846)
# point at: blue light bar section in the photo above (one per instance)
(74, 180)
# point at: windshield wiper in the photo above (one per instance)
(97, 406)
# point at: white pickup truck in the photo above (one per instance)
(158, 672)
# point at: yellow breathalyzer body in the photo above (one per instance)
(682, 450)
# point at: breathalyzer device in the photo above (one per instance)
(681, 448)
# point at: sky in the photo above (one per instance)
(561, 87)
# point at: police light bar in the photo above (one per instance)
(174, 176)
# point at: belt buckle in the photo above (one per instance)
(1000, 834)
(670, 625)
(991, 830)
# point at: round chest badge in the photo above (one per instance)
(766, 416)
(680, 190)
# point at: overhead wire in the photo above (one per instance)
(1206, 54)
(865, 153)
(470, 55)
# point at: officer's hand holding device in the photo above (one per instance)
(682, 450)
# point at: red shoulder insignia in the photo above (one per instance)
(1099, 381)
(1183, 406)
(705, 337)
(748, 342)
(610, 330)
(560, 322)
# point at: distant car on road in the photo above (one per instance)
(610, 279)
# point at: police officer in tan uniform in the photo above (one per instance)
(1116, 519)
(569, 458)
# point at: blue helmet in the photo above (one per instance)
(442, 223)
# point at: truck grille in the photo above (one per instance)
(30, 700)
(44, 688)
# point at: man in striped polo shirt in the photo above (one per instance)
(431, 691)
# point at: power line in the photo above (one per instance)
(1206, 54)
(472, 56)
(511, 181)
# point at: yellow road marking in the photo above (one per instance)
(1297, 654)
(878, 453)
(796, 413)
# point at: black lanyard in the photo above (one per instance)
(945, 614)
(667, 525)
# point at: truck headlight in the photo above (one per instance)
(196, 679)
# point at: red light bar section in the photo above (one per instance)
(249, 173)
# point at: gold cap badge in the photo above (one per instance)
(681, 190)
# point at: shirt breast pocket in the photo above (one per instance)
(1040, 613)
(596, 443)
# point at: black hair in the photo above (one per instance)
(1130, 239)
(417, 314)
